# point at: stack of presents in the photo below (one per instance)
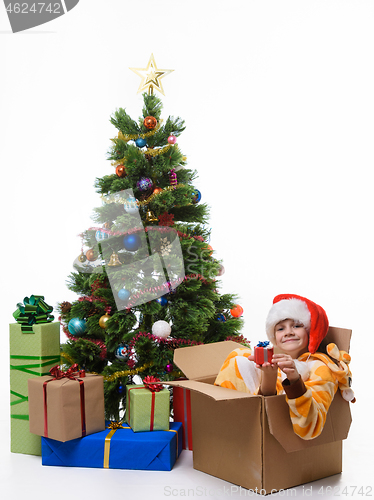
(60, 415)
(246, 440)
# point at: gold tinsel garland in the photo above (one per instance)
(67, 357)
(153, 195)
(115, 375)
(149, 152)
(156, 152)
(117, 199)
(126, 373)
(132, 137)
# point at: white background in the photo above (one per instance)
(278, 101)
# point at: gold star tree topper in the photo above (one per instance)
(151, 76)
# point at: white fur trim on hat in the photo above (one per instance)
(287, 309)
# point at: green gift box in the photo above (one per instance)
(147, 410)
(34, 350)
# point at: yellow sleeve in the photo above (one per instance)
(308, 412)
(229, 375)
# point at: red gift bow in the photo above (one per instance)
(149, 383)
(73, 373)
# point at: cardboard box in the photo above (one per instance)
(65, 419)
(248, 440)
(31, 354)
(146, 410)
(122, 449)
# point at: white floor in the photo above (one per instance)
(23, 476)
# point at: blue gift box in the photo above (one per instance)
(119, 449)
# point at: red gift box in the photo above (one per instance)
(263, 353)
(182, 413)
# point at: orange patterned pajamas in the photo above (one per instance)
(309, 398)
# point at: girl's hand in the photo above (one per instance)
(266, 367)
(269, 377)
(287, 365)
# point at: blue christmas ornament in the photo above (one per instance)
(140, 142)
(196, 196)
(121, 389)
(122, 352)
(132, 242)
(162, 301)
(221, 317)
(100, 235)
(124, 294)
(77, 326)
(131, 206)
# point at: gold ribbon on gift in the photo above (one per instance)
(176, 433)
(113, 426)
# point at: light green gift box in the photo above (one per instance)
(146, 410)
(31, 355)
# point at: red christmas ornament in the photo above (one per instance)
(150, 122)
(236, 311)
(121, 171)
(157, 190)
(172, 139)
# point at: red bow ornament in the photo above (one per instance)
(152, 383)
(72, 372)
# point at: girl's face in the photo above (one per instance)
(291, 337)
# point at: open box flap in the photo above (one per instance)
(215, 392)
(339, 336)
(205, 360)
(336, 428)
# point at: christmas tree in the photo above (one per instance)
(148, 281)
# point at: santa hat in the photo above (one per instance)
(311, 315)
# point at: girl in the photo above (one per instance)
(306, 370)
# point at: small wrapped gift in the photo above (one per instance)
(147, 406)
(182, 413)
(66, 405)
(263, 352)
(34, 348)
(118, 447)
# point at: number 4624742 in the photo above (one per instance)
(35, 8)
(347, 491)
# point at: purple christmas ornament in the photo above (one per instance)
(144, 184)
(173, 178)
